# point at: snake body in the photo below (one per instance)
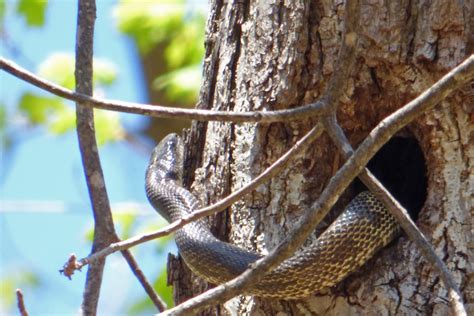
(362, 229)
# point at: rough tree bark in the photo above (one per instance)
(279, 54)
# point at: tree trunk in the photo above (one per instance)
(270, 55)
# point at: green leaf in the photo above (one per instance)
(150, 23)
(165, 291)
(63, 121)
(59, 68)
(2, 14)
(3, 117)
(125, 220)
(5, 137)
(181, 85)
(33, 11)
(13, 280)
(105, 72)
(89, 233)
(108, 127)
(7, 292)
(38, 109)
(187, 47)
(161, 243)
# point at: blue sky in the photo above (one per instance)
(45, 209)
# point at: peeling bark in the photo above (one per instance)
(275, 55)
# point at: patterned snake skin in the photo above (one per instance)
(361, 230)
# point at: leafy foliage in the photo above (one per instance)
(182, 84)
(59, 68)
(17, 278)
(56, 114)
(165, 24)
(171, 25)
(33, 11)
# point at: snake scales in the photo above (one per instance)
(362, 229)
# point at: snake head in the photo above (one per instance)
(166, 161)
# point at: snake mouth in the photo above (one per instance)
(400, 166)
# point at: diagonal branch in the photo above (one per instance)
(402, 216)
(302, 112)
(270, 172)
(455, 79)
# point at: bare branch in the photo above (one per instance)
(402, 216)
(418, 238)
(104, 230)
(351, 168)
(103, 224)
(21, 303)
(312, 109)
(270, 172)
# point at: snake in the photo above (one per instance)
(363, 228)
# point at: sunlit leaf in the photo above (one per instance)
(5, 137)
(59, 68)
(18, 278)
(181, 85)
(161, 243)
(33, 11)
(3, 117)
(2, 13)
(7, 292)
(38, 108)
(89, 233)
(108, 127)
(105, 72)
(142, 306)
(125, 222)
(165, 291)
(63, 122)
(150, 22)
(187, 46)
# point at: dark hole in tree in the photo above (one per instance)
(400, 166)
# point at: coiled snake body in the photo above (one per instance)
(362, 229)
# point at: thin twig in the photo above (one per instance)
(338, 183)
(402, 216)
(312, 109)
(268, 173)
(21, 303)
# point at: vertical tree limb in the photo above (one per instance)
(103, 223)
(104, 230)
